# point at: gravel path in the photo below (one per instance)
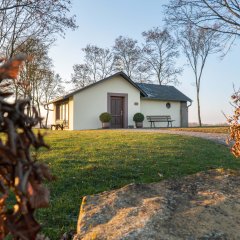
(216, 137)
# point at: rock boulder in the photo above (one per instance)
(201, 206)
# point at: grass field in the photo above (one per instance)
(203, 129)
(89, 162)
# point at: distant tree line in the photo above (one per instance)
(200, 28)
(196, 29)
(153, 61)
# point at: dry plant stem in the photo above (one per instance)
(20, 174)
(234, 122)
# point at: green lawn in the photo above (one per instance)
(89, 162)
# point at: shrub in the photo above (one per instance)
(138, 117)
(21, 175)
(234, 122)
(105, 117)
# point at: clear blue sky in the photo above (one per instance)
(102, 21)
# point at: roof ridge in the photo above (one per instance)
(155, 84)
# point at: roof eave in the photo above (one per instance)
(122, 74)
(131, 82)
(174, 100)
(60, 99)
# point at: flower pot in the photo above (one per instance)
(139, 124)
(106, 125)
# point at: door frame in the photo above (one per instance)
(125, 105)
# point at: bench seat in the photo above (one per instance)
(160, 118)
(59, 124)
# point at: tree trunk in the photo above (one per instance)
(199, 112)
(39, 114)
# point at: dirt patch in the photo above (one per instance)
(201, 206)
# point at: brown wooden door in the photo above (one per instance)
(117, 112)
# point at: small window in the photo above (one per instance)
(62, 112)
(168, 105)
(58, 112)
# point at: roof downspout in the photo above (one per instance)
(189, 105)
(46, 107)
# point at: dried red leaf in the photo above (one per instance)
(19, 171)
(234, 122)
(10, 69)
(38, 195)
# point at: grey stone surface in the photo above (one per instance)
(204, 206)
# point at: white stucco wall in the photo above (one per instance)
(91, 102)
(155, 107)
(70, 113)
(53, 113)
(52, 118)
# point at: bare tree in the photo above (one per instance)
(51, 87)
(98, 64)
(32, 70)
(222, 16)
(42, 19)
(81, 76)
(143, 73)
(127, 55)
(34, 75)
(37, 81)
(197, 44)
(91, 59)
(8, 5)
(159, 53)
(105, 63)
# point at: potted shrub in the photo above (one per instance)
(138, 118)
(105, 118)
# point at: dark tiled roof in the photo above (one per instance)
(163, 92)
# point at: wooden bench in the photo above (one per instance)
(160, 118)
(59, 124)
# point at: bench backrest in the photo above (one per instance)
(61, 122)
(159, 118)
